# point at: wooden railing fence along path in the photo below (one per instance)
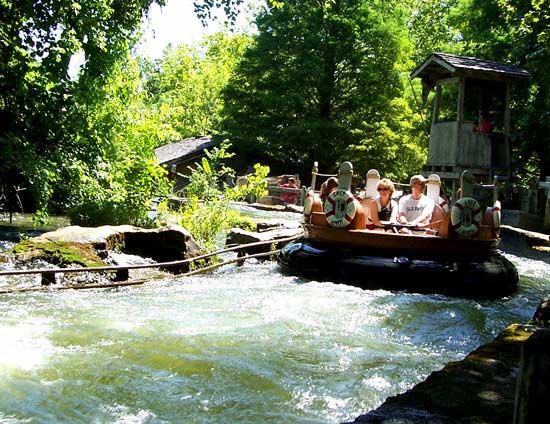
(122, 271)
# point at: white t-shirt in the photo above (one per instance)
(412, 208)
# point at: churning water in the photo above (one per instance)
(240, 345)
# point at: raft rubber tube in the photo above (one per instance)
(486, 277)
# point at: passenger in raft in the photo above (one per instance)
(383, 209)
(416, 208)
(328, 187)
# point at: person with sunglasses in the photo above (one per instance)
(383, 209)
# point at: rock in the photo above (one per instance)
(60, 253)
(277, 208)
(542, 314)
(164, 244)
(524, 243)
(276, 224)
(533, 388)
(270, 200)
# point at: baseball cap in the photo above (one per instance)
(418, 179)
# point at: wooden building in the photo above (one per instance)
(470, 128)
(177, 157)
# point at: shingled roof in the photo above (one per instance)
(446, 65)
(187, 149)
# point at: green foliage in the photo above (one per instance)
(184, 86)
(316, 73)
(206, 220)
(206, 179)
(53, 132)
(118, 193)
(429, 27)
(113, 179)
(207, 212)
(255, 186)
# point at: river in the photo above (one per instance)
(240, 345)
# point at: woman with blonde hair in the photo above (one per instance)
(383, 209)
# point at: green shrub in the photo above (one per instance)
(207, 220)
(255, 187)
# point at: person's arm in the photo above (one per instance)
(394, 211)
(427, 211)
(401, 214)
(373, 209)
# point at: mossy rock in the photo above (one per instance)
(58, 253)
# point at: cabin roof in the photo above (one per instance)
(183, 150)
(444, 65)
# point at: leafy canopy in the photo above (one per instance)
(319, 83)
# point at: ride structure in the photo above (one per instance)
(455, 254)
(470, 128)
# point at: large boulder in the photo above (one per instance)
(170, 243)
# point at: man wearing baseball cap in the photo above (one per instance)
(416, 208)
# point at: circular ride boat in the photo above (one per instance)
(455, 255)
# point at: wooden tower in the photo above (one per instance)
(471, 118)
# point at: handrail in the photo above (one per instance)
(326, 175)
(132, 282)
(139, 266)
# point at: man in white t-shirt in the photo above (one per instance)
(416, 208)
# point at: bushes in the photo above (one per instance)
(207, 220)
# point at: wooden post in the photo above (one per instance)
(467, 181)
(122, 274)
(47, 278)
(546, 224)
(314, 173)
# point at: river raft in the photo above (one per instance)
(457, 256)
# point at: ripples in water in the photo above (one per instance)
(243, 344)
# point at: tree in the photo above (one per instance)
(516, 32)
(429, 28)
(41, 126)
(319, 84)
(45, 116)
(184, 86)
